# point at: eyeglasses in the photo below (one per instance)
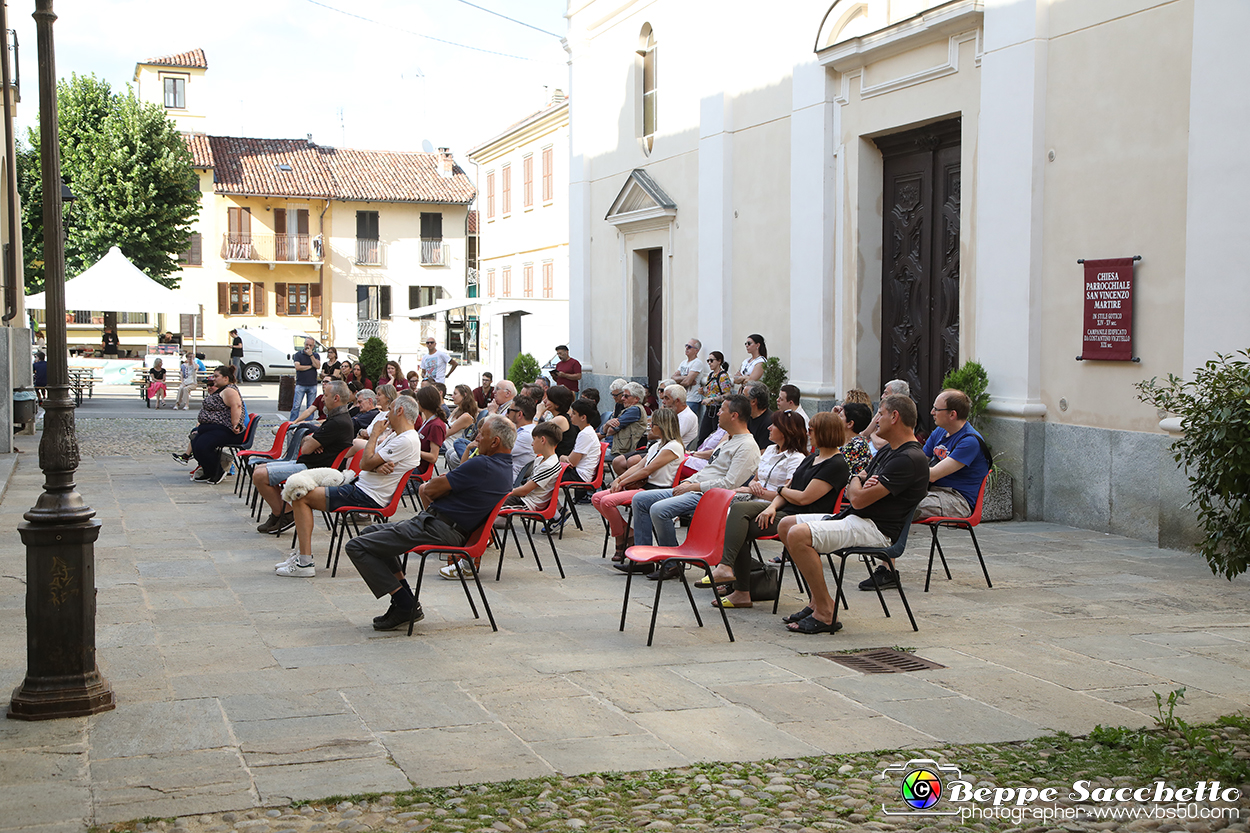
(689, 346)
(749, 343)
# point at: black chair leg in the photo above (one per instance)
(932, 549)
(655, 609)
(906, 606)
(973, 533)
(417, 592)
(690, 595)
(465, 585)
(868, 562)
(629, 577)
(482, 592)
(503, 547)
(720, 604)
(525, 524)
(334, 535)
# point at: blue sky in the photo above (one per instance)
(285, 68)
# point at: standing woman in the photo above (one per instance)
(714, 389)
(463, 421)
(752, 369)
(156, 382)
(392, 375)
(220, 424)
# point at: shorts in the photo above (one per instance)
(279, 471)
(851, 531)
(349, 495)
(943, 502)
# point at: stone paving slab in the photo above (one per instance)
(239, 690)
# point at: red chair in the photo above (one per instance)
(594, 485)
(344, 525)
(245, 458)
(546, 514)
(702, 547)
(967, 523)
(471, 551)
(629, 519)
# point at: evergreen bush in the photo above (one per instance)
(972, 380)
(524, 370)
(1214, 408)
(774, 377)
(373, 358)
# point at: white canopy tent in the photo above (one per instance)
(114, 284)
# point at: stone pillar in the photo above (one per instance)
(715, 306)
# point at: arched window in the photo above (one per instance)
(646, 76)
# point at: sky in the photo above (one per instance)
(287, 68)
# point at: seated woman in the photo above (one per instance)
(583, 460)
(461, 426)
(857, 450)
(433, 430)
(700, 456)
(156, 382)
(220, 424)
(393, 375)
(414, 379)
(714, 389)
(814, 488)
(656, 470)
(556, 403)
(358, 376)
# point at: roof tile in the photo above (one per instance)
(192, 60)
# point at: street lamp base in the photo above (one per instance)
(49, 698)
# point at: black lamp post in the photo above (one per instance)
(62, 679)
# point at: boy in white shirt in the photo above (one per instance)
(535, 493)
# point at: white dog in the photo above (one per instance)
(303, 482)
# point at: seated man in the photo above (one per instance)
(626, 430)
(457, 503)
(367, 409)
(959, 460)
(894, 386)
(317, 451)
(761, 417)
(382, 466)
(732, 464)
(505, 392)
(880, 499)
(788, 400)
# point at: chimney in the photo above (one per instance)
(446, 164)
(310, 141)
(557, 96)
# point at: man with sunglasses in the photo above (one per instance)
(690, 375)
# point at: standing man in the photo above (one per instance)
(960, 459)
(690, 375)
(236, 354)
(109, 343)
(568, 371)
(483, 394)
(457, 504)
(437, 365)
(880, 497)
(306, 363)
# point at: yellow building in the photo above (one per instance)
(176, 82)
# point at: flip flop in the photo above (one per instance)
(812, 625)
(797, 617)
(728, 605)
(705, 582)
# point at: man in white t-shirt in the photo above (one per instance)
(437, 365)
(382, 466)
(690, 374)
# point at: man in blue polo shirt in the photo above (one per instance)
(958, 461)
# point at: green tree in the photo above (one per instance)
(130, 172)
(524, 370)
(970, 378)
(373, 357)
(774, 377)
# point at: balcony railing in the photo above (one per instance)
(368, 252)
(433, 253)
(368, 329)
(270, 248)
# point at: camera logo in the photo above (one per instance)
(921, 786)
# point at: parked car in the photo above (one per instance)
(269, 351)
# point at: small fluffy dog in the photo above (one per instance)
(303, 482)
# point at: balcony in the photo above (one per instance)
(368, 252)
(433, 252)
(368, 329)
(240, 247)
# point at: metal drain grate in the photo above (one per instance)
(881, 661)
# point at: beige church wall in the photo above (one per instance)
(1117, 121)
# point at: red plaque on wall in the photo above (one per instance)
(1108, 322)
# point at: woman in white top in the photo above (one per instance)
(583, 460)
(779, 460)
(752, 369)
(463, 418)
(656, 470)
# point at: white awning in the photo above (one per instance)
(114, 284)
(446, 305)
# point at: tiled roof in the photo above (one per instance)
(201, 150)
(193, 60)
(473, 221)
(252, 166)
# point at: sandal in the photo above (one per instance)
(707, 581)
(812, 625)
(797, 617)
(728, 605)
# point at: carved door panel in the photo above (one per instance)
(920, 259)
(655, 317)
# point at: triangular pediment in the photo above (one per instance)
(640, 200)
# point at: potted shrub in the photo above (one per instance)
(972, 379)
(524, 370)
(373, 357)
(774, 377)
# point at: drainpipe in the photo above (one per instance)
(10, 162)
(321, 271)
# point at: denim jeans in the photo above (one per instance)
(654, 512)
(302, 392)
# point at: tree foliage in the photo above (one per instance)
(1214, 408)
(524, 370)
(774, 377)
(972, 380)
(131, 175)
(373, 357)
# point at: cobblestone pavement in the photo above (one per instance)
(239, 692)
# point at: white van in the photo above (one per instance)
(269, 351)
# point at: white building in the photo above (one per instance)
(523, 222)
(799, 175)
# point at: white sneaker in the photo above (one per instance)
(290, 559)
(452, 571)
(294, 570)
